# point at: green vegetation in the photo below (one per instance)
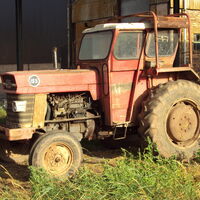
(7, 193)
(145, 177)
(2, 114)
(141, 177)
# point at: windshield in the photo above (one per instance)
(95, 45)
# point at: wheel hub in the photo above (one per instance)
(182, 123)
(58, 158)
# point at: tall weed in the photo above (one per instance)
(142, 177)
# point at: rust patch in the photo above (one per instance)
(121, 88)
(16, 134)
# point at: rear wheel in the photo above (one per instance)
(171, 119)
(58, 153)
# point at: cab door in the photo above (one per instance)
(127, 55)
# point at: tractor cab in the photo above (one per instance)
(127, 42)
(129, 56)
(154, 41)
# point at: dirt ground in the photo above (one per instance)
(16, 177)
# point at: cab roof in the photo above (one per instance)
(111, 26)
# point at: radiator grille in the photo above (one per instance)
(20, 119)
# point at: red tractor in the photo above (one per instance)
(127, 78)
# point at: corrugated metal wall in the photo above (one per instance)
(134, 6)
(44, 26)
(160, 7)
(7, 32)
(84, 10)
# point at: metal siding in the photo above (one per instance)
(158, 1)
(84, 10)
(134, 6)
(160, 9)
(44, 26)
(7, 32)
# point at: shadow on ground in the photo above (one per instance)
(95, 152)
(100, 150)
(14, 171)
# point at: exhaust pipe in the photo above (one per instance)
(55, 57)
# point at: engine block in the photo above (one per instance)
(71, 105)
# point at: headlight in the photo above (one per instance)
(19, 106)
(8, 82)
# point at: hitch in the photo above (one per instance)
(122, 129)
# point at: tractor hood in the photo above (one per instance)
(50, 81)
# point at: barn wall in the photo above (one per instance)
(161, 7)
(44, 26)
(7, 32)
(84, 10)
(193, 9)
(192, 4)
(134, 6)
(195, 20)
(195, 28)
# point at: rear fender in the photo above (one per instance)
(186, 73)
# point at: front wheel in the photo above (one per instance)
(58, 153)
(171, 119)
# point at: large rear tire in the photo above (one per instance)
(59, 154)
(171, 118)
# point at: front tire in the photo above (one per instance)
(59, 154)
(171, 119)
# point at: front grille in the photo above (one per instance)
(20, 119)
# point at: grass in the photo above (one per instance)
(10, 194)
(2, 115)
(144, 177)
(141, 177)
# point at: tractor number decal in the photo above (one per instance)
(34, 80)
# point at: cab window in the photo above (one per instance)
(167, 43)
(128, 45)
(95, 45)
